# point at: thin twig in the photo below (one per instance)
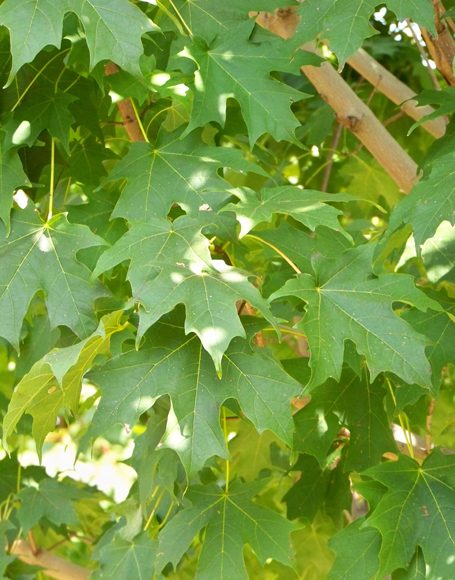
(424, 56)
(428, 425)
(328, 168)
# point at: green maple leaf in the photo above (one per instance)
(51, 499)
(431, 201)
(232, 66)
(5, 557)
(174, 170)
(259, 460)
(209, 18)
(346, 24)
(54, 382)
(304, 205)
(172, 261)
(49, 111)
(353, 404)
(356, 549)
(439, 327)
(173, 364)
(11, 176)
(416, 510)
(298, 245)
(345, 303)
(34, 24)
(42, 256)
(230, 520)
(327, 489)
(134, 559)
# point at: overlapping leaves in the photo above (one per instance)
(170, 363)
(172, 261)
(346, 24)
(415, 509)
(53, 384)
(215, 444)
(174, 170)
(34, 24)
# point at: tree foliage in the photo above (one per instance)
(227, 338)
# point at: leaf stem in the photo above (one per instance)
(278, 251)
(52, 178)
(185, 25)
(155, 507)
(404, 422)
(286, 330)
(166, 517)
(139, 122)
(227, 463)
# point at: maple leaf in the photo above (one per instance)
(52, 500)
(170, 363)
(34, 24)
(232, 66)
(174, 170)
(230, 520)
(318, 489)
(5, 557)
(122, 558)
(346, 24)
(439, 327)
(172, 260)
(11, 176)
(356, 549)
(431, 201)
(352, 404)
(54, 382)
(50, 112)
(304, 205)
(42, 256)
(346, 303)
(416, 510)
(209, 18)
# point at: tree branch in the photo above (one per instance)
(126, 110)
(53, 565)
(442, 46)
(284, 22)
(399, 93)
(355, 115)
(352, 111)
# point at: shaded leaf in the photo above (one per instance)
(209, 18)
(431, 201)
(356, 548)
(351, 403)
(11, 177)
